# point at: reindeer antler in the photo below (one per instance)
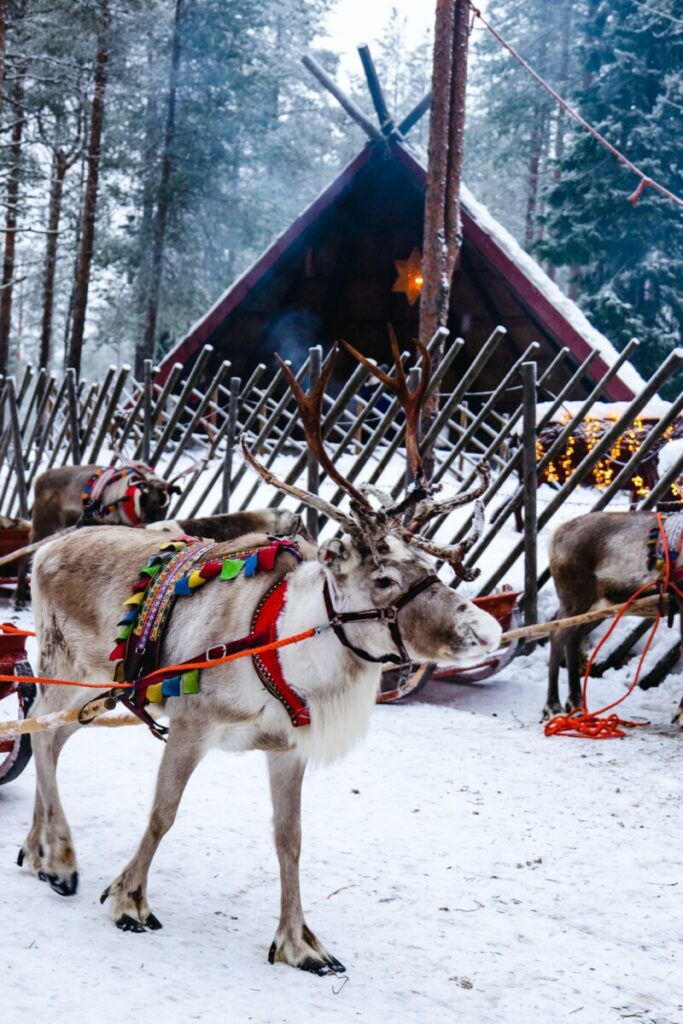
(411, 401)
(428, 508)
(313, 500)
(454, 553)
(311, 410)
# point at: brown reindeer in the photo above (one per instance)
(374, 586)
(65, 496)
(598, 559)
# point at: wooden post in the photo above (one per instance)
(233, 406)
(442, 224)
(146, 410)
(315, 355)
(21, 491)
(529, 474)
(71, 383)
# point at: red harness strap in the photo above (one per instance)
(268, 664)
(128, 506)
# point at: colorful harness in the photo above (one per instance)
(656, 556)
(95, 510)
(180, 568)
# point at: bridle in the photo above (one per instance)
(388, 614)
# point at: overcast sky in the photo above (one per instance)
(360, 21)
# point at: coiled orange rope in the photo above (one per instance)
(591, 724)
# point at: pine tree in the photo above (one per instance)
(628, 260)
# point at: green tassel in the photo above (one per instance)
(125, 632)
(232, 567)
(190, 681)
(151, 570)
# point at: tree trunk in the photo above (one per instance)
(59, 168)
(82, 280)
(146, 349)
(442, 226)
(13, 182)
(442, 236)
(532, 183)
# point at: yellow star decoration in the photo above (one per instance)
(410, 279)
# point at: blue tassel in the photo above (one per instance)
(130, 616)
(171, 687)
(251, 565)
(183, 586)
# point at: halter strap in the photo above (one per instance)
(388, 615)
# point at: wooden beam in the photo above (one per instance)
(351, 108)
(386, 123)
(411, 119)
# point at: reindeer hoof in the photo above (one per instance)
(20, 856)
(63, 886)
(128, 924)
(551, 711)
(678, 718)
(309, 956)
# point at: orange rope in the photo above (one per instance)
(7, 627)
(272, 646)
(585, 723)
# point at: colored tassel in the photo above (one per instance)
(195, 579)
(173, 545)
(266, 557)
(151, 570)
(209, 570)
(140, 585)
(251, 565)
(130, 616)
(120, 673)
(125, 632)
(183, 587)
(190, 681)
(232, 567)
(155, 693)
(155, 560)
(137, 598)
(171, 687)
(118, 652)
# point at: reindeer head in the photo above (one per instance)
(153, 494)
(377, 575)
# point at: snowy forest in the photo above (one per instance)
(152, 149)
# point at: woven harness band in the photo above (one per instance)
(388, 615)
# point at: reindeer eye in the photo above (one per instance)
(384, 582)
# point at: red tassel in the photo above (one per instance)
(266, 558)
(141, 584)
(210, 569)
(119, 652)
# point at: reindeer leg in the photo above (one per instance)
(294, 942)
(48, 849)
(184, 750)
(574, 671)
(552, 701)
(678, 717)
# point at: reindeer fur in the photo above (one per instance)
(233, 710)
(596, 560)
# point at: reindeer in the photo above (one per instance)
(374, 586)
(93, 495)
(598, 559)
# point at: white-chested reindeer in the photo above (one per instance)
(375, 583)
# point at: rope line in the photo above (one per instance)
(645, 180)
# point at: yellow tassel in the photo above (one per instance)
(154, 694)
(136, 598)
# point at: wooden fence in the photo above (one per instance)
(190, 426)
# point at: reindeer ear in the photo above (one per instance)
(332, 554)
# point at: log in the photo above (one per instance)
(646, 606)
(86, 714)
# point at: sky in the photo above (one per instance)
(353, 22)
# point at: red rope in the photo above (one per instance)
(645, 181)
(592, 724)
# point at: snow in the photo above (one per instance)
(463, 867)
(654, 409)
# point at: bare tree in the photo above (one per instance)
(11, 217)
(85, 255)
(145, 350)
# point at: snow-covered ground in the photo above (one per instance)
(465, 869)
